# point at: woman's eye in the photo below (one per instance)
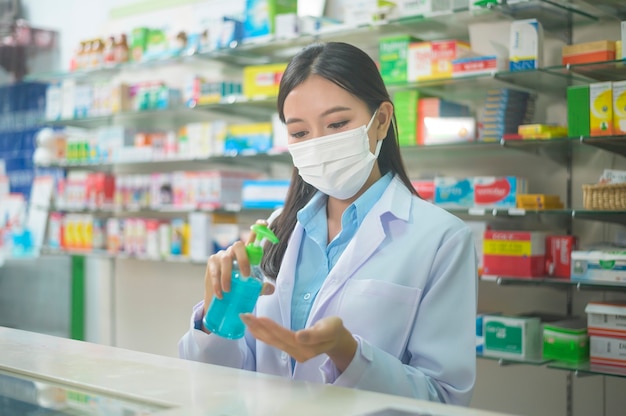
(298, 134)
(338, 125)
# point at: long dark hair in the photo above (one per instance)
(354, 71)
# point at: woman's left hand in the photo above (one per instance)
(327, 336)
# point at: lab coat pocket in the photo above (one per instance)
(380, 312)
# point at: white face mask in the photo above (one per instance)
(337, 164)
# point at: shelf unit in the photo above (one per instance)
(555, 16)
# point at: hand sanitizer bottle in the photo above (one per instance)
(222, 317)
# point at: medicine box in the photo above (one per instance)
(512, 337)
(526, 45)
(392, 54)
(578, 111)
(606, 319)
(442, 130)
(580, 53)
(406, 105)
(601, 109)
(454, 192)
(619, 107)
(514, 253)
(607, 351)
(433, 60)
(498, 192)
(559, 255)
(425, 188)
(260, 15)
(262, 81)
(264, 194)
(566, 341)
(599, 265)
(252, 138)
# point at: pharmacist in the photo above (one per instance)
(375, 287)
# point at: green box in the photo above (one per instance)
(405, 107)
(139, 43)
(578, 111)
(566, 341)
(392, 55)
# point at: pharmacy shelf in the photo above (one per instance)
(260, 108)
(48, 251)
(163, 212)
(554, 282)
(255, 160)
(591, 72)
(588, 369)
(513, 361)
(555, 15)
(608, 216)
(614, 144)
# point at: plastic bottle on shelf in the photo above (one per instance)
(108, 51)
(121, 49)
(222, 317)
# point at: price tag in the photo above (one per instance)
(476, 211)
(517, 211)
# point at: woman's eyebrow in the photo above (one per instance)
(331, 110)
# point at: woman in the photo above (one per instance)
(375, 288)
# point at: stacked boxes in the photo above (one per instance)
(436, 108)
(504, 111)
(599, 266)
(606, 324)
(406, 109)
(598, 109)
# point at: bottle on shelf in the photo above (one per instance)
(121, 49)
(222, 317)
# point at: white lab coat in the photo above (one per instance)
(405, 287)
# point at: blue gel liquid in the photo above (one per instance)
(222, 318)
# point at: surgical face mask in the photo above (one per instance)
(337, 164)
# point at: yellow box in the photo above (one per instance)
(601, 109)
(619, 107)
(541, 131)
(618, 50)
(539, 201)
(262, 81)
(517, 248)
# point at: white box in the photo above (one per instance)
(200, 246)
(425, 7)
(526, 45)
(442, 130)
(54, 102)
(598, 265)
(606, 319)
(264, 194)
(68, 99)
(607, 351)
(512, 337)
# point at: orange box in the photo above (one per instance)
(581, 53)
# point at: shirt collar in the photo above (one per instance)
(361, 206)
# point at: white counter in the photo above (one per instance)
(189, 388)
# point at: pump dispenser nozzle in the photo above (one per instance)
(255, 249)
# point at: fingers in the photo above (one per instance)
(325, 330)
(252, 235)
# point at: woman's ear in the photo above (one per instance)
(384, 117)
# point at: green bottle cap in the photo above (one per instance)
(255, 249)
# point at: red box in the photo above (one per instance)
(100, 188)
(425, 189)
(514, 253)
(559, 255)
